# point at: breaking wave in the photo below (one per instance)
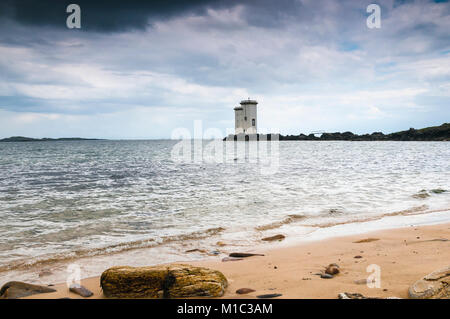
(288, 220)
(309, 221)
(108, 250)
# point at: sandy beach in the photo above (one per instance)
(404, 256)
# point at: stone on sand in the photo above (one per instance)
(332, 269)
(273, 238)
(366, 240)
(348, 295)
(243, 291)
(80, 290)
(243, 255)
(176, 281)
(433, 286)
(363, 281)
(231, 259)
(266, 296)
(17, 289)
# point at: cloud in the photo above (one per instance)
(101, 15)
(312, 65)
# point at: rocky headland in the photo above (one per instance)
(433, 133)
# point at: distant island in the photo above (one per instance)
(45, 139)
(433, 133)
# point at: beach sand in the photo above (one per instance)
(404, 255)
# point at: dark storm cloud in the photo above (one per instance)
(103, 15)
(121, 15)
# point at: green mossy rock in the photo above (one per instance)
(188, 281)
(422, 194)
(133, 282)
(171, 281)
(438, 191)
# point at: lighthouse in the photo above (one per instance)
(245, 118)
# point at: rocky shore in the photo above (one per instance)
(434, 133)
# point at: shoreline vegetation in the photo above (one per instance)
(405, 260)
(433, 133)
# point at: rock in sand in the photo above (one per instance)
(366, 240)
(80, 290)
(433, 286)
(363, 281)
(176, 281)
(268, 296)
(17, 289)
(272, 238)
(243, 255)
(243, 291)
(231, 259)
(347, 295)
(332, 269)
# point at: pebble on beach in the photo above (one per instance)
(244, 255)
(363, 281)
(366, 240)
(80, 290)
(332, 269)
(273, 238)
(225, 259)
(45, 272)
(269, 296)
(242, 291)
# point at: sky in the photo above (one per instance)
(143, 69)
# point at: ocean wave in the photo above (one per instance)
(308, 221)
(108, 250)
(288, 220)
(417, 210)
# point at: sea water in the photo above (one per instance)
(102, 203)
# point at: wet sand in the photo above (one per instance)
(404, 255)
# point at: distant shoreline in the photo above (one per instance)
(432, 133)
(45, 139)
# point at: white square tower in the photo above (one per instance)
(245, 117)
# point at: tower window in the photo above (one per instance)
(253, 122)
